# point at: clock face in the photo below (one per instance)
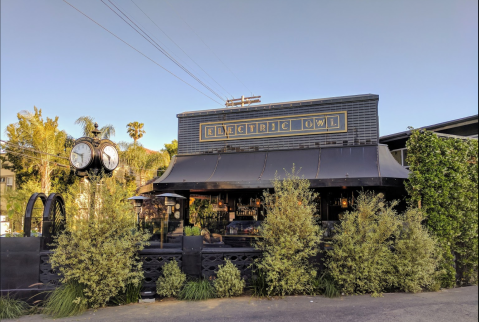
(177, 206)
(81, 155)
(177, 214)
(109, 157)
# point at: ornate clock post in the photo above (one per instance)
(94, 155)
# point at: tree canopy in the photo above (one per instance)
(135, 131)
(87, 123)
(36, 147)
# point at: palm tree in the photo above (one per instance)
(88, 125)
(135, 130)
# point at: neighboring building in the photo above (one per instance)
(463, 127)
(7, 182)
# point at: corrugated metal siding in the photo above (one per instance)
(362, 128)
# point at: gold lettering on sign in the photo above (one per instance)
(275, 126)
(320, 122)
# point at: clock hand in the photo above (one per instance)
(109, 158)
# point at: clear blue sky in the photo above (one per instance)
(421, 57)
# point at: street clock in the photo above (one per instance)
(94, 155)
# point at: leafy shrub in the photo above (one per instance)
(229, 282)
(66, 300)
(197, 291)
(443, 182)
(375, 249)
(188, 231)
(11, 308)
(290, 236)
(192, 231)
(170, 284)
(196, 231)
(101, 252)
(416, 255)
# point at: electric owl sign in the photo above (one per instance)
(94, 154)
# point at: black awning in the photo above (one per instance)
(324, 167)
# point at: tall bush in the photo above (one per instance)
(290, 236)
(375, 249)
(100, 252)
(443, 182)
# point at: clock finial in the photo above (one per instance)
(96, 132)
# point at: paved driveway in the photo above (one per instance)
(455, 305)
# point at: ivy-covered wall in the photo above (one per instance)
(443, 182)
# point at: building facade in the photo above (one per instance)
(229, 156)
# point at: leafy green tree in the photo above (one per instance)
(290, 236)
(143, 162)
(36, 147)
(443, 182)
(135, 131)
(87, 123)
(172, 148)
(16, 204)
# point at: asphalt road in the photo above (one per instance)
(454, 305)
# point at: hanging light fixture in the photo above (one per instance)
(344, 202)
(221, 204)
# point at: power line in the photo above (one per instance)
(32, 149)
(157, 46)
(117, 37)
(208, 47)
(30, 157)
(181, 49)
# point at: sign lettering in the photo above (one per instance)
(320, 123)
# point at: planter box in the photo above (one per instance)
(192, 244)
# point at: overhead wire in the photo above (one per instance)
(181, 48)
(178, 15)
(172, 52)
(31, 149)
(56, 156)
(138, 51)
(158, 47)
(30, 157)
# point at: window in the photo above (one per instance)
(9, 182)
(400, 156)
(397, 156)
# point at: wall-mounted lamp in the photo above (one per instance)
(221, 204)
(257, 202)
(344, 202)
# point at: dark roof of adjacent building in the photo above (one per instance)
(466, 126)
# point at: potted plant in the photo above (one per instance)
(192, 240)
